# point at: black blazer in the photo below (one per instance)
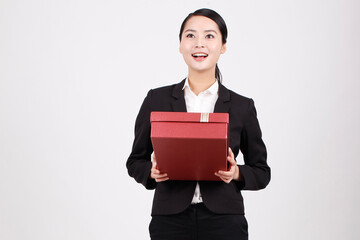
(175, 196)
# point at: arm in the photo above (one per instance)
(255, 173)
(139, 162)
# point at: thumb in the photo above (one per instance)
(154, 163)
(231, 160)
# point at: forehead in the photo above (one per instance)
(201, 23)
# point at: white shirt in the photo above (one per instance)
(202, 103)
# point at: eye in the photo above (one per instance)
(190, 35)
(210, 36)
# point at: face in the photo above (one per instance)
(201, 44)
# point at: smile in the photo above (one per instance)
(199, 56)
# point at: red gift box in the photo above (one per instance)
(190, 146)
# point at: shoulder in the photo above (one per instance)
(162, 98)
(239, 97)
(234, 97)
(167, 91)
(163, 90)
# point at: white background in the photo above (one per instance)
(73, 75)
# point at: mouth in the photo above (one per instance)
(199, 56)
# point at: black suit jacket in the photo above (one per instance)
(175, 196)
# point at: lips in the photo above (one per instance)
(200, 56)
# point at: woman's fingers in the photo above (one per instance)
(223, 178)
(161, 179)
(226, 176)
(155, 173)
(229, 175)
(158, 176)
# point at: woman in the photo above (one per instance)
(204, 209)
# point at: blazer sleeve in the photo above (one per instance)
(139, 162)
(255, 172)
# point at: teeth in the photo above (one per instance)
(200, 55)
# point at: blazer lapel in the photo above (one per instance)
(178, 101)
(222, 104)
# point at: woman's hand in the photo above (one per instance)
(233, 173)
(156, 174)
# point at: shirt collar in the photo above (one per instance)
(213, 89)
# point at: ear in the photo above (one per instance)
(223, 48)
(180, 49)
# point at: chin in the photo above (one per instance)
(202, 68)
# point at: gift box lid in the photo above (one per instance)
(189, 117)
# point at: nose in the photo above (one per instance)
(199, 43)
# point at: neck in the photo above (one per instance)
(200, 81)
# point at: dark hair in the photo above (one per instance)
(205, 12)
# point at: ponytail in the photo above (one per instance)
(218, 75)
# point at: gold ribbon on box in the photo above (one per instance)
(204, 117)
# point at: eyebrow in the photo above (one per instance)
(192, 30)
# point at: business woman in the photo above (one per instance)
(205, 209)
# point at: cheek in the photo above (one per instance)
(184, 48)
(187, 44)
(216, 50)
